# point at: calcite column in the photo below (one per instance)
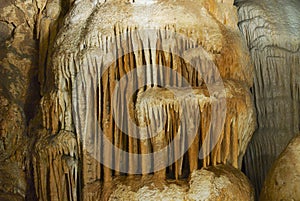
(55, 156)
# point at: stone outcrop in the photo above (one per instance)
(283, 179)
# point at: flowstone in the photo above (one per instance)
(108, 59)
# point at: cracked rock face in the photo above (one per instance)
(12, 149)
(283, 180)
(18, 93)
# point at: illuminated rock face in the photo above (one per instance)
(91, 61)
(283, 179)
(108, 87)
(208, 184)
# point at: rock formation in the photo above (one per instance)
(283, 180)
(19, 93)
(208, 184)
(96, 94)
(18, 70)
(98, 84)
(272, 30)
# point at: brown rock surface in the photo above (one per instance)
(18, 52)
(96, 48)
(220, 183)
(283, 179)
(12, 149)
(58, 152)
(18, 93)
(10, 197)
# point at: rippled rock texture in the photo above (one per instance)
(272, 32)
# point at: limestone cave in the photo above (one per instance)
(186, 100)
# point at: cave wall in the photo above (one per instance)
(24, 30)
(272, 30)
(28, 34)
(19, 93)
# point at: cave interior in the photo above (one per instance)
(150, 100)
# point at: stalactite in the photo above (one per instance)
(119, 69)
(146, 105)
(131, 145)
(55, 164)
(106, 68)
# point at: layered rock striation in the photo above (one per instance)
(271, 29)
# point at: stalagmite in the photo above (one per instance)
(208, 184)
